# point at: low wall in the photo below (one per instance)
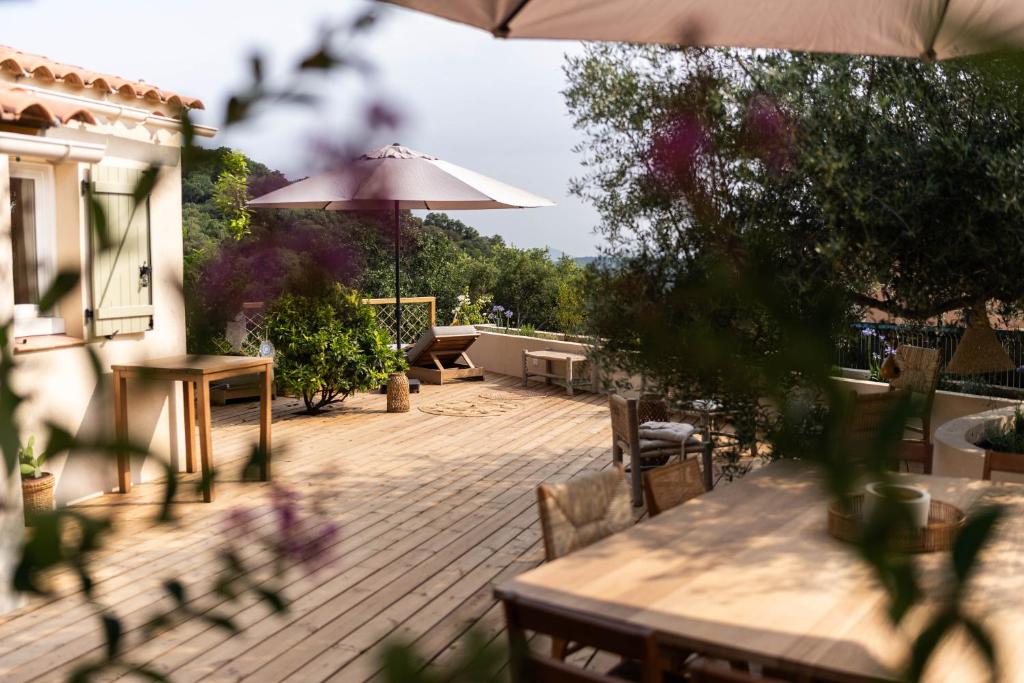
(503, 353)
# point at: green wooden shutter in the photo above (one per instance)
(122, 288)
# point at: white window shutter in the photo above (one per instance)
(122, 275)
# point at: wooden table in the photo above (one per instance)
(570, 360)
(747, 571)
(195, 373)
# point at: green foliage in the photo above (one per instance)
(469, 312)
(328, 346)
(479, 659)
(31, 464)
(570, 299)
(230, 193)
(1007, 437)
(751, 203)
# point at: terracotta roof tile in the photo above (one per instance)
(21, 105)
(36, 66)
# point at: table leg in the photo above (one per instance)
(525, 369)
(205, 438)
(568, 375)
(124, 473)
(266, 387)
(188, 393)
(709, 448)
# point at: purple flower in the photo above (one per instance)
(238, 522)
(508, 314)
(867, 332)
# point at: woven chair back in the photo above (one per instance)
(870, 413)
(625, 421)
(583, 510)
(671, 485)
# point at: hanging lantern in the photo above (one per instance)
(979, 350)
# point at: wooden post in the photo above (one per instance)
(205, 437)
(188, 392)
(526, 372)
(266, 387)
(432, 303)
(124, 473)
(568, 374)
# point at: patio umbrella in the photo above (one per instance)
(395, 178)
(931, 29)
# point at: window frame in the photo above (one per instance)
(44, 177)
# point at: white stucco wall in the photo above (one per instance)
(60, 382)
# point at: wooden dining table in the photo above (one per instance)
(195, 372)
(748, 572)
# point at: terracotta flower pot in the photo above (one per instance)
(37, 494)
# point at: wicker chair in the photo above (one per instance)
(995, 461)
(643, 453)
(635, 644)
(671, 485)
(579, 512)
(917, 371)
(583, 510)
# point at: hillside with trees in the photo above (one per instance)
(234, 256)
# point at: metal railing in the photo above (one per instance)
(868, 344)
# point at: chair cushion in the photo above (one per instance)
(583, 510)
(666, 431)
(430, 336)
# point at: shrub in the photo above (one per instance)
(329, 346)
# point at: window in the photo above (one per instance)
(34, 244)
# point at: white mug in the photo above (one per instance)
(916, 499)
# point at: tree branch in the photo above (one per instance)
(913, 312)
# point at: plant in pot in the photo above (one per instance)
(1003, 442)
(36, 485)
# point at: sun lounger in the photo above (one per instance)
(439, 355)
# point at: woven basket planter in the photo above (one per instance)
(37, 495)
(398, 393)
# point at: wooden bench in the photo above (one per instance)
(569, 376)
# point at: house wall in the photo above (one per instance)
(60, 382)
(11, 523)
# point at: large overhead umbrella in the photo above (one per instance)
(396, 178)
(932, 29)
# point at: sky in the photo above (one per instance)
(490, 105)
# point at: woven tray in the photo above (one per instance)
(845, 522)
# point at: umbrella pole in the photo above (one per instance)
(398, 281)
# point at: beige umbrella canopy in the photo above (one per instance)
(979, 350)
(395, 178)
(932, 29)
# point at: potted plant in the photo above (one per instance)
(1005, 435)
(36, 485)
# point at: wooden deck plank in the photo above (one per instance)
(434, 509)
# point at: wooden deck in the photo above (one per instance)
(433, 510)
